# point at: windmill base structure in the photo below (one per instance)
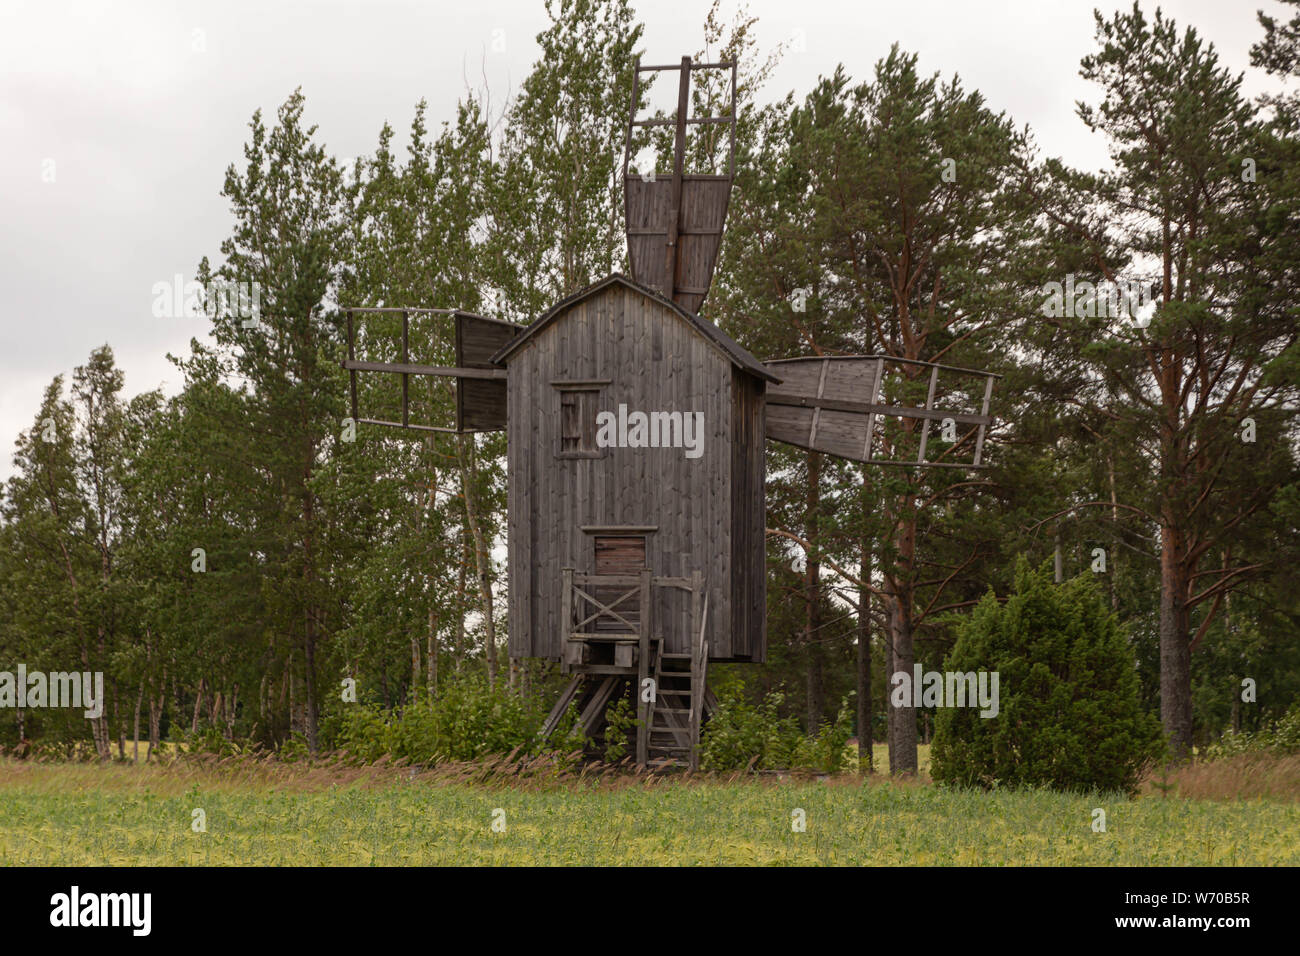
(636, 435)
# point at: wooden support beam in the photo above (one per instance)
(644, 709)
(901, 411)
(672, 266)
(557, 712)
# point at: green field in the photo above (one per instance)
(123, 815)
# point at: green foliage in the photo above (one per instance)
(620, 721)
(1282, 736)
(1069, 716)
(466, 721)
(209, 739)
(745, 735)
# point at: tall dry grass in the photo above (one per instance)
(1249, 776)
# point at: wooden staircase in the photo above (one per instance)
(673, 738)
(610, 643)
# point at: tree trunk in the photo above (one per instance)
(458, 640)
(812, 595)
(415, 668)
(431, 652)
(902, 755)
(198, 703)
(468, 473)
(891, 668)
(121, 726)
(309, 660)
(864, 662)
(155, 716)
(135, 736)
(1175, 647)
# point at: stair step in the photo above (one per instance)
(674, 657)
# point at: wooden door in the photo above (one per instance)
(622, 555)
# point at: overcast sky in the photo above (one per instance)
(117, 121)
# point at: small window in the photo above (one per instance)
(578, 423)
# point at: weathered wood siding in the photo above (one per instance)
(748, 519)
(653, 361)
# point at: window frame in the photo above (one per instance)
(584, 396)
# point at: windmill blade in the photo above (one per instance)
(476, 389)
(675, 221)
(481, 403)
(869, 407)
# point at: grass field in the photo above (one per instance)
(77, 814)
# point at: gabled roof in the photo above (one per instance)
(720, 340)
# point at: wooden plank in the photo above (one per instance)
(352, 375)
(984, 411)
(929, 403)
(566, 601)
(863, 408)
(643, 671)
(561, 705)
(595, 709)
(672, 258)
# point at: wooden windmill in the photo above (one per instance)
(635, 448)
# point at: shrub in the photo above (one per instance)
(1069, 716)
(466, 721)
(1281, 737)
(620, 721)
(740, 733)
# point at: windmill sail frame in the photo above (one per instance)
(480, 385)
(832, 404)
(675, 223)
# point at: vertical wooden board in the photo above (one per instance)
(704, 207)
(737, 484)
(552, 552)
(482, 404)
(479, 338)
(719, 629)
(850, 379)
(645, 205)
(758, 644)
(790, 424)
(797, 378)
(749, 554)
(518, 632)
(708, 209)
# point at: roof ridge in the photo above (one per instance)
(735, 352)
